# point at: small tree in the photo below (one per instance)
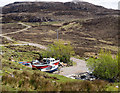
(105, 67)
(59, 50)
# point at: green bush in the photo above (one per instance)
(105, 67)
(59, 50)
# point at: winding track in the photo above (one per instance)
(79, 68)
(8, 38)
(25, 29)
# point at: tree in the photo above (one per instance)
(59, 50)
(105, 67)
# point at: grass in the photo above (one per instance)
(21, 53)
(71, 26)
(83, 33)
(78, 57)
(52, 23)
(51, 32)
(107, 42)
(22, 80)
(26, 76)
(22, 56)
(112, 87)
(8, 23)
(32, 24)
(35, 80)
(112, 48)
(8, 88)
(55, 23)
(62, 79)
(94, 39)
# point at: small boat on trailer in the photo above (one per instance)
(47, 64)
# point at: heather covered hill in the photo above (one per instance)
(52, 11)
(87, 36)
(53, 6)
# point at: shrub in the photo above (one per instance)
(60, 51)
(105, 67)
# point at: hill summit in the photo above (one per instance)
(51, 11)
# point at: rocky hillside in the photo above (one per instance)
(50, 11)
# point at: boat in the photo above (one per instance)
(28, 64)
(46, 65)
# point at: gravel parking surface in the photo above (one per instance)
(79, 68)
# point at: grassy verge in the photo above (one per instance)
(62, 79)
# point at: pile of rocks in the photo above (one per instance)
(86, 76)
(83, 76)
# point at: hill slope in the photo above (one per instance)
(86, 36)
(88, 27)
(51, 11)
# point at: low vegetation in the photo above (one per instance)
(16, 77)
(12, 53)
(106, 66)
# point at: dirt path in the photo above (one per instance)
(33, 44)
(25, 29)
(10, 39)
(79, 68)
(22, 42)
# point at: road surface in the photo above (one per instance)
(79, 68)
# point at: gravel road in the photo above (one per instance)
(79, 68)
